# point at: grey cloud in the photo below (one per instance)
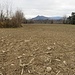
(43, 7)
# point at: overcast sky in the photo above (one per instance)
(32, 8)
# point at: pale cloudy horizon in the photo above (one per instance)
(49, 8)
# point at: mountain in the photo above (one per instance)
(40, 18)
(45, 18)
(56, 18)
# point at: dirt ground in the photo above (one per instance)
(38, 50)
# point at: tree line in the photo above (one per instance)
(64, 20)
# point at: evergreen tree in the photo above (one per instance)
(71, 19)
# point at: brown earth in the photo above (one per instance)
(38, 50)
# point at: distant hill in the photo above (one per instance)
(56, 18)
(45, 18)
(40, 18)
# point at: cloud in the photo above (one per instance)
(42, 7)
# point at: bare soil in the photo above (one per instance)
(38, 50)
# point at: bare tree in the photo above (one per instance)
(64, 19)
(18, 18)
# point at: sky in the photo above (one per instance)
(49, 8)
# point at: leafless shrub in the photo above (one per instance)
(8, 21)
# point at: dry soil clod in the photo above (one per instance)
(48, 69)
(65, 62)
